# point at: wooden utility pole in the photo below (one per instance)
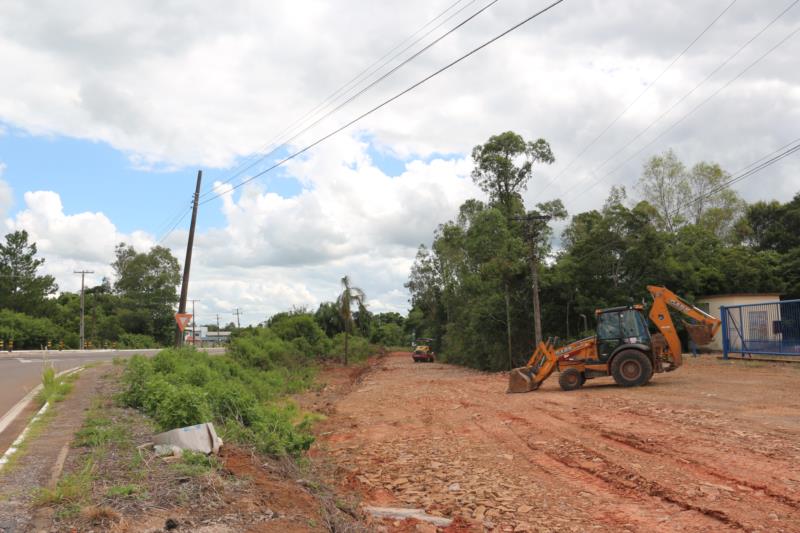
(238, 323)
(83, 277)
(533, 232)
(188, 263)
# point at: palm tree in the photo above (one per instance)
(344, 302)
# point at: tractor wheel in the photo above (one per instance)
(571, 379)
(631, 368)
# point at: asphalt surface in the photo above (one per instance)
(21, 371)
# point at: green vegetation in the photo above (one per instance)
(241, 393)
(123, 491)
(55, 388)
(72, 488)
(472, 289)
(135, 312)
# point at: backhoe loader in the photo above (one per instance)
(623, 347)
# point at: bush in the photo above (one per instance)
(359, 348)
(27, 331)
(184, 387)
(264, 349)
(135, 340)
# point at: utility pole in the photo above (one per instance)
(194, 323)
(188, 263)
(237, 313)
(533, 232)
(217, 324)
(83, 277)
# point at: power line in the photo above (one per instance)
(680, 120)
(175, 225)
(388, 101)
(635, 100)
(369, 71)
(365, 89)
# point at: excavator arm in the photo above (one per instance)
(701, 331)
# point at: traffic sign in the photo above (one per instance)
(182, 319)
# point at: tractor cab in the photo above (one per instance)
(620, 326)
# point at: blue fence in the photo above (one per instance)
(769, 328)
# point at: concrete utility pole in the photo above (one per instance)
(534, 266)
(237, 313)
(194, 323)
(188, 263)
(83, 277)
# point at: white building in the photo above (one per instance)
(754, 320)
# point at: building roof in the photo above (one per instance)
(737, 294)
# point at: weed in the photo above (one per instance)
(194, 464)
(123, 491)
(72, 488)
(99, 431)
(54, 388)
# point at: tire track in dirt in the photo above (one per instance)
(695, 477)
(614, 479)
(607, 459)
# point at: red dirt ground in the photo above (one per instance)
(714, 446)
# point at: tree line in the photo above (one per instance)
(473, 289)
(135, 311)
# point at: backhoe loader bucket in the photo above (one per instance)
(540, 366)
(520, 380)
(699, 333)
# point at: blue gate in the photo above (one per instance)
(769, 328)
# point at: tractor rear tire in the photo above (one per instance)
(631, 368)
(571, 379)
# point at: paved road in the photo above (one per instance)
(21, 371)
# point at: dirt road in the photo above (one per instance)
(714, 446)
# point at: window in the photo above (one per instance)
(608, 326)
(758, 325)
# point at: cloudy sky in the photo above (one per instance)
(108, 109)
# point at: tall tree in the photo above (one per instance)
(22, 289)
(696, 196)
(350, 295)
(504, 165)
(148, 284)
(665, 184)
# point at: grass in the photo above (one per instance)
(123, 491)
(72, 488)
(193, 464)
(55, 388)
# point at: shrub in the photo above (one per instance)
(135, 340)
(27, 331)
(262, 348)
(358, 347)
(184, 387)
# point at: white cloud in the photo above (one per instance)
(139, 76)
(274, 252)
(6, 194)
(69, 242)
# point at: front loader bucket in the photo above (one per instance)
(699, 333)
(540, 366)
(520, 380)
